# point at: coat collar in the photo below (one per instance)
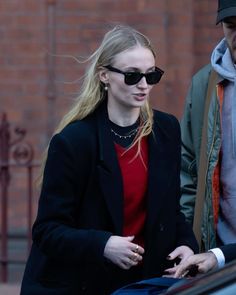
(160, 170)
(109, 170)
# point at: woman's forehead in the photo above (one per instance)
(135, 56)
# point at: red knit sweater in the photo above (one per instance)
(135, 175)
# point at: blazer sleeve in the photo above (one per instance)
(229, 252)
(64, 182)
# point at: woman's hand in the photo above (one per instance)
(181, 253)
(122, 252)
(200, 263)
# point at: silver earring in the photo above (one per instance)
(106, 87)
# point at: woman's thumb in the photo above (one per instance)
(129, 238)
(173, 255)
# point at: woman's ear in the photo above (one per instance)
(104, 76)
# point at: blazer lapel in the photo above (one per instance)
(110, 177)
(160, 173)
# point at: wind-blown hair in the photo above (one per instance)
(92, 92)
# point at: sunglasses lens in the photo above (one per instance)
(153, 78)
(132, 78)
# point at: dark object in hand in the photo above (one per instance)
(193, 271)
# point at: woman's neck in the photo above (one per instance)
(123, 118)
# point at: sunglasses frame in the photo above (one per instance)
(141, 75)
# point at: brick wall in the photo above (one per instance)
(36, 74)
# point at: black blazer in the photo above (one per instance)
(81, 206)
(229, 252)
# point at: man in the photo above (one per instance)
(219, 214)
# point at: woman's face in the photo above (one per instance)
(121, 95)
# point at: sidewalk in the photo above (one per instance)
(9, 289)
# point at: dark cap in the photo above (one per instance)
(226, 8)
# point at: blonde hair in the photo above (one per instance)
(92, 92)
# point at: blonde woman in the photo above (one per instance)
(109, 207)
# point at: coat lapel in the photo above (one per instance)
(160, 172)
(109, 171)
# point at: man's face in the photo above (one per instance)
(229, 28)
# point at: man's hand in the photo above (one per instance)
(199, 263)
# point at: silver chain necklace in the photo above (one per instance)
(129, 135)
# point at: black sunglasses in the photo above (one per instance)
(132, 78)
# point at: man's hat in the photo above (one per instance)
(226, 8)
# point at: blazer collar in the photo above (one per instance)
(160, 171)
(109, 170)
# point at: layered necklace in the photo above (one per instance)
(124, 136)
(128, 135)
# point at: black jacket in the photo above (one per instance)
(229, 252)
(81, 206)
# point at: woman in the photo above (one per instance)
(109, 207)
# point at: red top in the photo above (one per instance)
(135, 175)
